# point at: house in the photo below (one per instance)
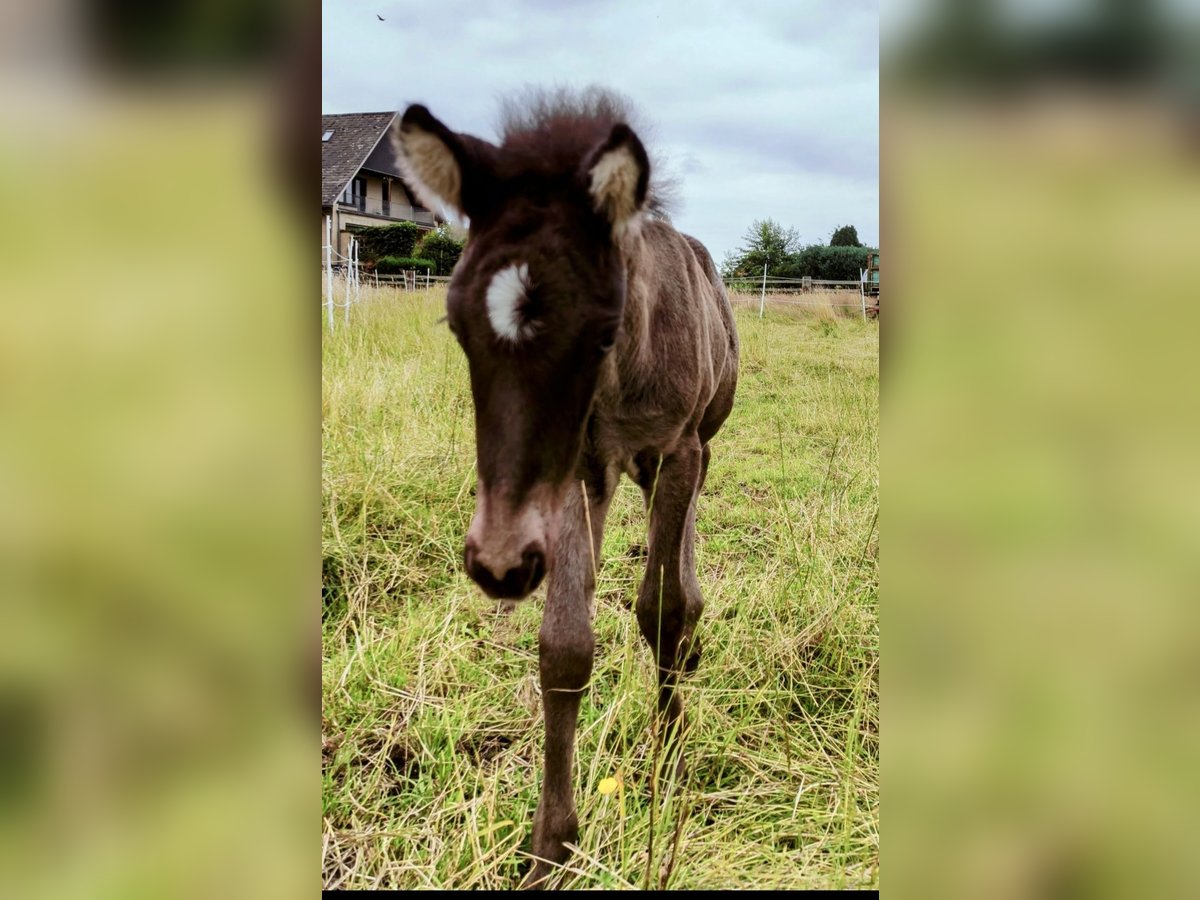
(360, 178)
(872, 272)
(871, 284)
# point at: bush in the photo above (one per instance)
(390, 265)
(829, 263)
(769, 243)
(441, 247)
(388, 240)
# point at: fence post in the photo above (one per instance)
(862, 290)
(762, 300)
(329, 270)
(349, 278)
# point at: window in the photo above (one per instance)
(327, 135)
(387, 196)
(356, 193)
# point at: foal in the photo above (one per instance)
(599, 341)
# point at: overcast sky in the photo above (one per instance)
(763, 109)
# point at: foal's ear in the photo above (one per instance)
(441, 166)
(618, 173)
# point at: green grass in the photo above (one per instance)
(431, 725)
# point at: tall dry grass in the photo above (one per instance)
(431, 722)
(819, 304)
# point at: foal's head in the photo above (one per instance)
(536, 303)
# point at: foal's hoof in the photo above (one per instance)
(553, 829)
(541, 874)
(681, 769)
(693, 661)
(537, 878)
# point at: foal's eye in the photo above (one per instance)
(531, 307)
(607, 342)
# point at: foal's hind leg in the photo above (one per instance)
(689, 642)
(566, 648)
(669, 601)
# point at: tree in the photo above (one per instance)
(846, 236)
(766, 243)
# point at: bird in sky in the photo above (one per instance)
(380, 18)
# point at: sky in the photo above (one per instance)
(761, 110)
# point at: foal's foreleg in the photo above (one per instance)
(669, 601)
(566, 649)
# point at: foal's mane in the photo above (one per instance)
(559, 126)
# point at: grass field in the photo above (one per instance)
(431, 723)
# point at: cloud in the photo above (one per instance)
(764, 111)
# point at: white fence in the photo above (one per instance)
(350, 279)
(774, 284)
(343, 278)
(409, 280)
(780, 285)
(332, 260)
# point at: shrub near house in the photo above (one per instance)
(390, 265)
(381, 241)
(442, 248)
(405, 245)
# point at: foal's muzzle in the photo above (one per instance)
(509, 545)
(504, 582)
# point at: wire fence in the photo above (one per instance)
(344, 287)
(863, 294)
(344, 277)
(781, 285)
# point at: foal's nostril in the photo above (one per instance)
(534, 562)
(512, 583)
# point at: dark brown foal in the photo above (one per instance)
(599, 341)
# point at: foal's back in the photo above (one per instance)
(682, 377)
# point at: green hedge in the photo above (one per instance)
(816, 261)
(830, 263)
(387, 240)
(390, 265)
